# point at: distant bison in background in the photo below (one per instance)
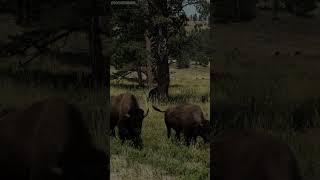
(49, 140)
(252, 155)
(204, 98)
(154, 94)
(128, 116)
(186, 118)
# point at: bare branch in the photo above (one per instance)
(44, 45)
(190, 3)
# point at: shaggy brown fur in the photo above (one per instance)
(252, 155)
(186, 118)
(128, 116)
(48, 140)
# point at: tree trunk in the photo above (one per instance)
(162, 62)
(28, 11)
(163, 77)
(23, 12)
(275, 9)
(211, 15)
(149, 61)
(19, 12)
(98, 66)
(139, 72)
(237, 10)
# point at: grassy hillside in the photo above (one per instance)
(162, 158)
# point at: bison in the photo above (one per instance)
(154, 94)
(252, 155)
(49, 140)
(128, 116)
(186, 118)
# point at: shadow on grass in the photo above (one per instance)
(184, 98)
(127, 86)
(136, 86)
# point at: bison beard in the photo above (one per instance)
(130, 127)
(49, 140)
(131, 135)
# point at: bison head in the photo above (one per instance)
(135, 118)
(205, 130)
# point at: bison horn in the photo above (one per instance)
(146, 113)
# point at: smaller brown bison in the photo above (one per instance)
(128, 116)
(49, 140)
(188, 119)
(241, 154)
(154, 94)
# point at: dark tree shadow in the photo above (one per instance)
(45, 78)
(127, 86)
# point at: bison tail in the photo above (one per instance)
(157, 109)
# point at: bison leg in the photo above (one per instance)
(168, 132)
(113, 133)
(187, 139)
(194, 140)
(122, 141)
(189, 134)
(138, 142)
(123, 133)
(178, 135)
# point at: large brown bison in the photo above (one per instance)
(252, 155)
(49, 140)
(188, 119)
(128, 116)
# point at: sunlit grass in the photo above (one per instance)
(163, 158)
